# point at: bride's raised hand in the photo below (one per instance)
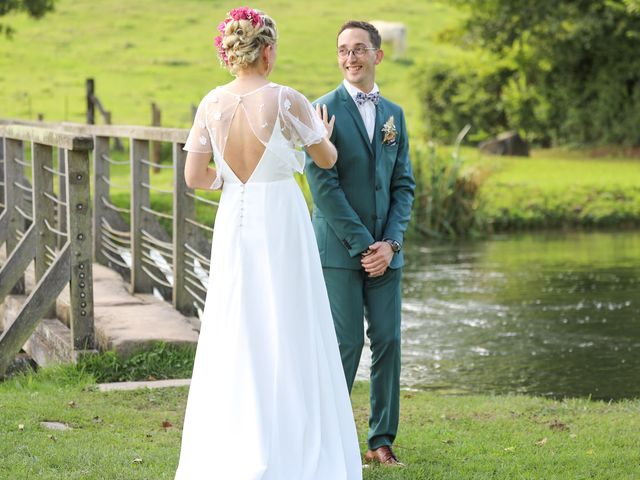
(324, 116)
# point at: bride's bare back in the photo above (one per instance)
(244, 149)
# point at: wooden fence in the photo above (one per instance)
(32, 231)
(163, 250)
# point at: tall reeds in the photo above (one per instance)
(446, 203)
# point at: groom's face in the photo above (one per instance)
(358, 71)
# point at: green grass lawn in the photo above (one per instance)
(560, 188)
(145, 51)
(136, 435)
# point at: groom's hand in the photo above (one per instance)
(377, 258)
(324, 116)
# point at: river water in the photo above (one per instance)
(555, 314)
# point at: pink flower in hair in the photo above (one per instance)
(242, 13)
(246, 13)
(221, 52)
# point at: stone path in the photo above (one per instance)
(123, 322)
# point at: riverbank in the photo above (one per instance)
(136, 434)
(552, 189)
(559, 188)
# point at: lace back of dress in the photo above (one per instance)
(247, 123)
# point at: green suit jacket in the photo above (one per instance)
(367, 195)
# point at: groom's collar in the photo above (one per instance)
(353, 91)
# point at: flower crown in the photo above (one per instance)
(242, 13)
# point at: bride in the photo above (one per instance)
(268, 397)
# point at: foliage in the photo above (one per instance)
(573, 70)
(34, 8)
(468, 93)
(446, 193)
(160, 361)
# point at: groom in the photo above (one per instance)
(362, 209)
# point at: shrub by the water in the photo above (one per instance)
(446, 200)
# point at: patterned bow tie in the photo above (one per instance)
(362, 98)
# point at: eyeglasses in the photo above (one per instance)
(358, 51)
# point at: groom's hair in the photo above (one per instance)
(374, 35)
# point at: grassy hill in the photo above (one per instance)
(162, 51)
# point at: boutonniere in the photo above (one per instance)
(389, 132)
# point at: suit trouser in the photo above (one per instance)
(354, 296)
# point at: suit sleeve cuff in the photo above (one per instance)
(394, 235)
(357, 244)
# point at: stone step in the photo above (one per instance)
(51, 340)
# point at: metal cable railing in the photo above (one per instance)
(155, 165)
(24, 214)
(113, 207)
(25, 188)
(111, 161)
(202, 199)
(54, 230)
(21, 162)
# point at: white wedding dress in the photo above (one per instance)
(268, 397)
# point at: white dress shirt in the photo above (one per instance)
(367, 111)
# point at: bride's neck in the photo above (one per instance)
(250, 76)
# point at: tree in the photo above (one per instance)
(573, 68)
(34, 8)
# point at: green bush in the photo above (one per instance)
(468, 93)
(558, 72)
(446, 201)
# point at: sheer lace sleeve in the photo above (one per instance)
(199, 140)
(300, 122)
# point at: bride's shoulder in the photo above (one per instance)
(290, 94)
(212, 95)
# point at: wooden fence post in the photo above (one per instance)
(43, 209)
(140, 281)
(79, 237)
(100, 191)
(62, 194)
(91, 108)
(156, 121)
(3, 201)
(14, 173)
(183, 207)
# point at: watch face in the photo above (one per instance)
(395, 246)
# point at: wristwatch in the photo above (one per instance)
(395, 245)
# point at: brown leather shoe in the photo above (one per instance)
(384, 456)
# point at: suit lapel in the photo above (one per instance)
(351, 107)
(377, 133)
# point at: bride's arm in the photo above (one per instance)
(197, 172)
(324, 154)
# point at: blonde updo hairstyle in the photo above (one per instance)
(242, 41)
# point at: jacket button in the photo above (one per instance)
(373, 217)
(377, 187)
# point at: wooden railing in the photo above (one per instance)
(32, 229)
(154, 249)
(176, 264)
